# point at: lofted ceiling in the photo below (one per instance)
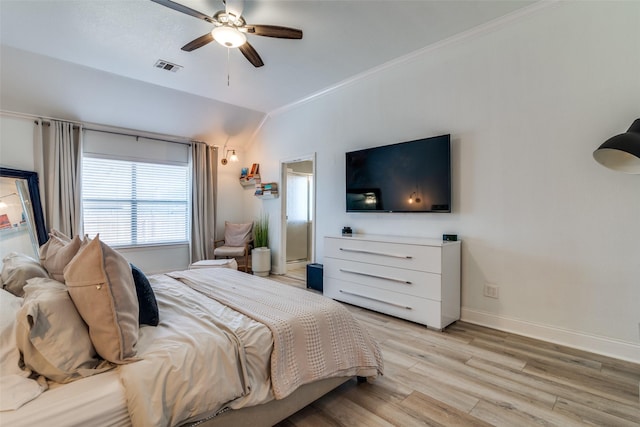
(342, 39)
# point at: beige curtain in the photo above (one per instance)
(204, 160)
(58, 155)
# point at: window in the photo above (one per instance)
(132, 203)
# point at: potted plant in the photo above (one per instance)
(261, 254)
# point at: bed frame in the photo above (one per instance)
(271, 413)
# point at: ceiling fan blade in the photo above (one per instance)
(234, 6)
(274, 31)
(183, 9)
(199, 42)
(250, 53)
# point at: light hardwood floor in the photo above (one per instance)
(470, 375)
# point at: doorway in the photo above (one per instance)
(298, 206)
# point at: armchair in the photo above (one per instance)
(237, 243)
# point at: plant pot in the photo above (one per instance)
(261, 261)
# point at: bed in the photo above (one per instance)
(229, 349)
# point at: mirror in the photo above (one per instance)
(22, 226)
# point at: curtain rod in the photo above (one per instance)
(87, 126)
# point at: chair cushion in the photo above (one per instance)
(215, 263)
(237, 234)
(229, 251)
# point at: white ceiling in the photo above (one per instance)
(341, 39)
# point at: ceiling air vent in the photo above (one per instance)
(166, 65)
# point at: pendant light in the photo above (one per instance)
(621, 152)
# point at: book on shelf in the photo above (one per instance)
(271, 186)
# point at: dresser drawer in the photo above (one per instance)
(413, 257)
(410, 282)
(419, 310)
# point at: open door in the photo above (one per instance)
(298, 226)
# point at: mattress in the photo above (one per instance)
(95, 401)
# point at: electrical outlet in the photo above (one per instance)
(491, 291)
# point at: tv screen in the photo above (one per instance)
(413, 176)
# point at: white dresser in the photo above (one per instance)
(416, 279)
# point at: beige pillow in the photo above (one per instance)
(56, 254)
(237, 234)
(17, 269)
(51, 335)
(101, 286)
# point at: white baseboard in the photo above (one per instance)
(596, 344)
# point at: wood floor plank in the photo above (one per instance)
(588, 381)
(429, 386)
(347, 413)
(589, 415)
(433, 411)
(629, 412)
(504, 415)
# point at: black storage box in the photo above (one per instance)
(314, 276)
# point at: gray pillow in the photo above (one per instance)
(51, 335)
(17, 269)
(57, 253)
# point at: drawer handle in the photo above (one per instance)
(364, 251)
(376, 299)
(392, 279)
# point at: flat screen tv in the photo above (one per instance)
(412, 176)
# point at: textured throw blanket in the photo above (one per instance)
(314, 337)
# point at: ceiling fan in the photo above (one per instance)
(230, 30)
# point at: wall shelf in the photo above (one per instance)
(250, 182)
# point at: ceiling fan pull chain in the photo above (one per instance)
(228, 55)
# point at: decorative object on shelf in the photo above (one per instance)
(267, 190)
(621, 152)
(255, 170)
(261, 254)
(244, 172)
(346, 231)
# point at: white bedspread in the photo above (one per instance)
(314, 337)
(201, 356)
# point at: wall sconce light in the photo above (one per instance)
(227, 158)
(416, 199)
(621, 152)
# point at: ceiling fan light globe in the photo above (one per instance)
(228, 36)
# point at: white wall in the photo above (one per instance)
(16, 143)
(526, 101)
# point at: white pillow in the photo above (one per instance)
(16, 388)
(9, 353)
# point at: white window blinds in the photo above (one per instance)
(134, 201)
